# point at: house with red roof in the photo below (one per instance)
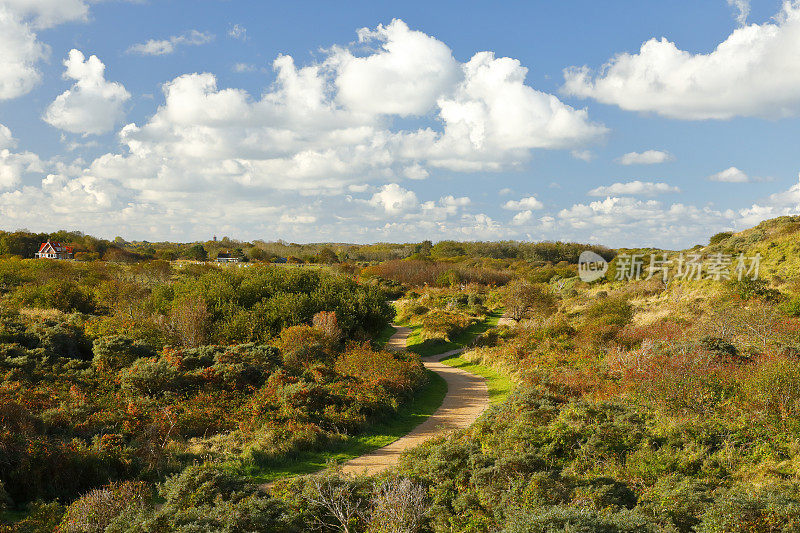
(54, 250)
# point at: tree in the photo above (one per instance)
(327, 256)
(256, 254)
(399, 505)
(338, 499)
(522, 297)
(196, 252)
(424, 248)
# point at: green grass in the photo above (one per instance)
(499, 384)
(384, 335)
(409, 416)
(427, 348)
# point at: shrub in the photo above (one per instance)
(719, 237)
(96, 510)
(116, 352)
(151, 376)
(570, 519)
(753, 509)
(522, 298)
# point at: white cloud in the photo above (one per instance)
(238, 31)
(754, 72)
(742, 8)
(394, 199)
(526, 203)
(415, 172)
(523, 217)
(634, 188)
(730, 175)
(20, 50)
(778, 204)
(626, 221)
(156, 47)
(298, 219)
(405, 76)
(305, 141)
(244, 67)
(504, 191)
(583, 155)
(14, 165)
(48, 13)
(308, 131)
(494, 119)
(93, 105)
(6, 138)
(19, 54)
(648, 157)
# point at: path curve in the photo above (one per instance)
(467, 397)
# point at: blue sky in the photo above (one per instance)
(377, 121)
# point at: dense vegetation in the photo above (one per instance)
(143, 397)
(115, 372)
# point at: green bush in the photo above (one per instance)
(744, 508)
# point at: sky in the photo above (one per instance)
(626, 123)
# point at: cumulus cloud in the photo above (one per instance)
(526, 203)
(93, 105)
(404, 76)
(523, 217)
(6, 138)
(779, 204)
(754, 73)
(20, 49)
(160, 47)
(47, 13)
(20, 52)
(730, 175)
(648, 157)
(306, 140)
(742, 8)
(626, 221)
(634, 188)
(316, 129)
(494, 119)
(14, 165)
(394, 199)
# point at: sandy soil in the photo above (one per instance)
(467, 397)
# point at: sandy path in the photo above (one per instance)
(467, 397)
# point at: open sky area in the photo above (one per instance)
(626, 123)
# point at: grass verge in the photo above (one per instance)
(383, 337)
(409, 416)
(427, 348)
(499, 384)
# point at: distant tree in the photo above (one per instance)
(196, 252)
(327, 256)
(256, 254)
(167, 254)
(424, 248)
(448, 249)
(522, 298)
(719, 237)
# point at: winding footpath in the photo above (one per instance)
(467, 397)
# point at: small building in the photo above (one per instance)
(226, 257)
(54, 250)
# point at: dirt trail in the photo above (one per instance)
(467, 397)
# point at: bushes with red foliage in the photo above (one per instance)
(442, 274)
